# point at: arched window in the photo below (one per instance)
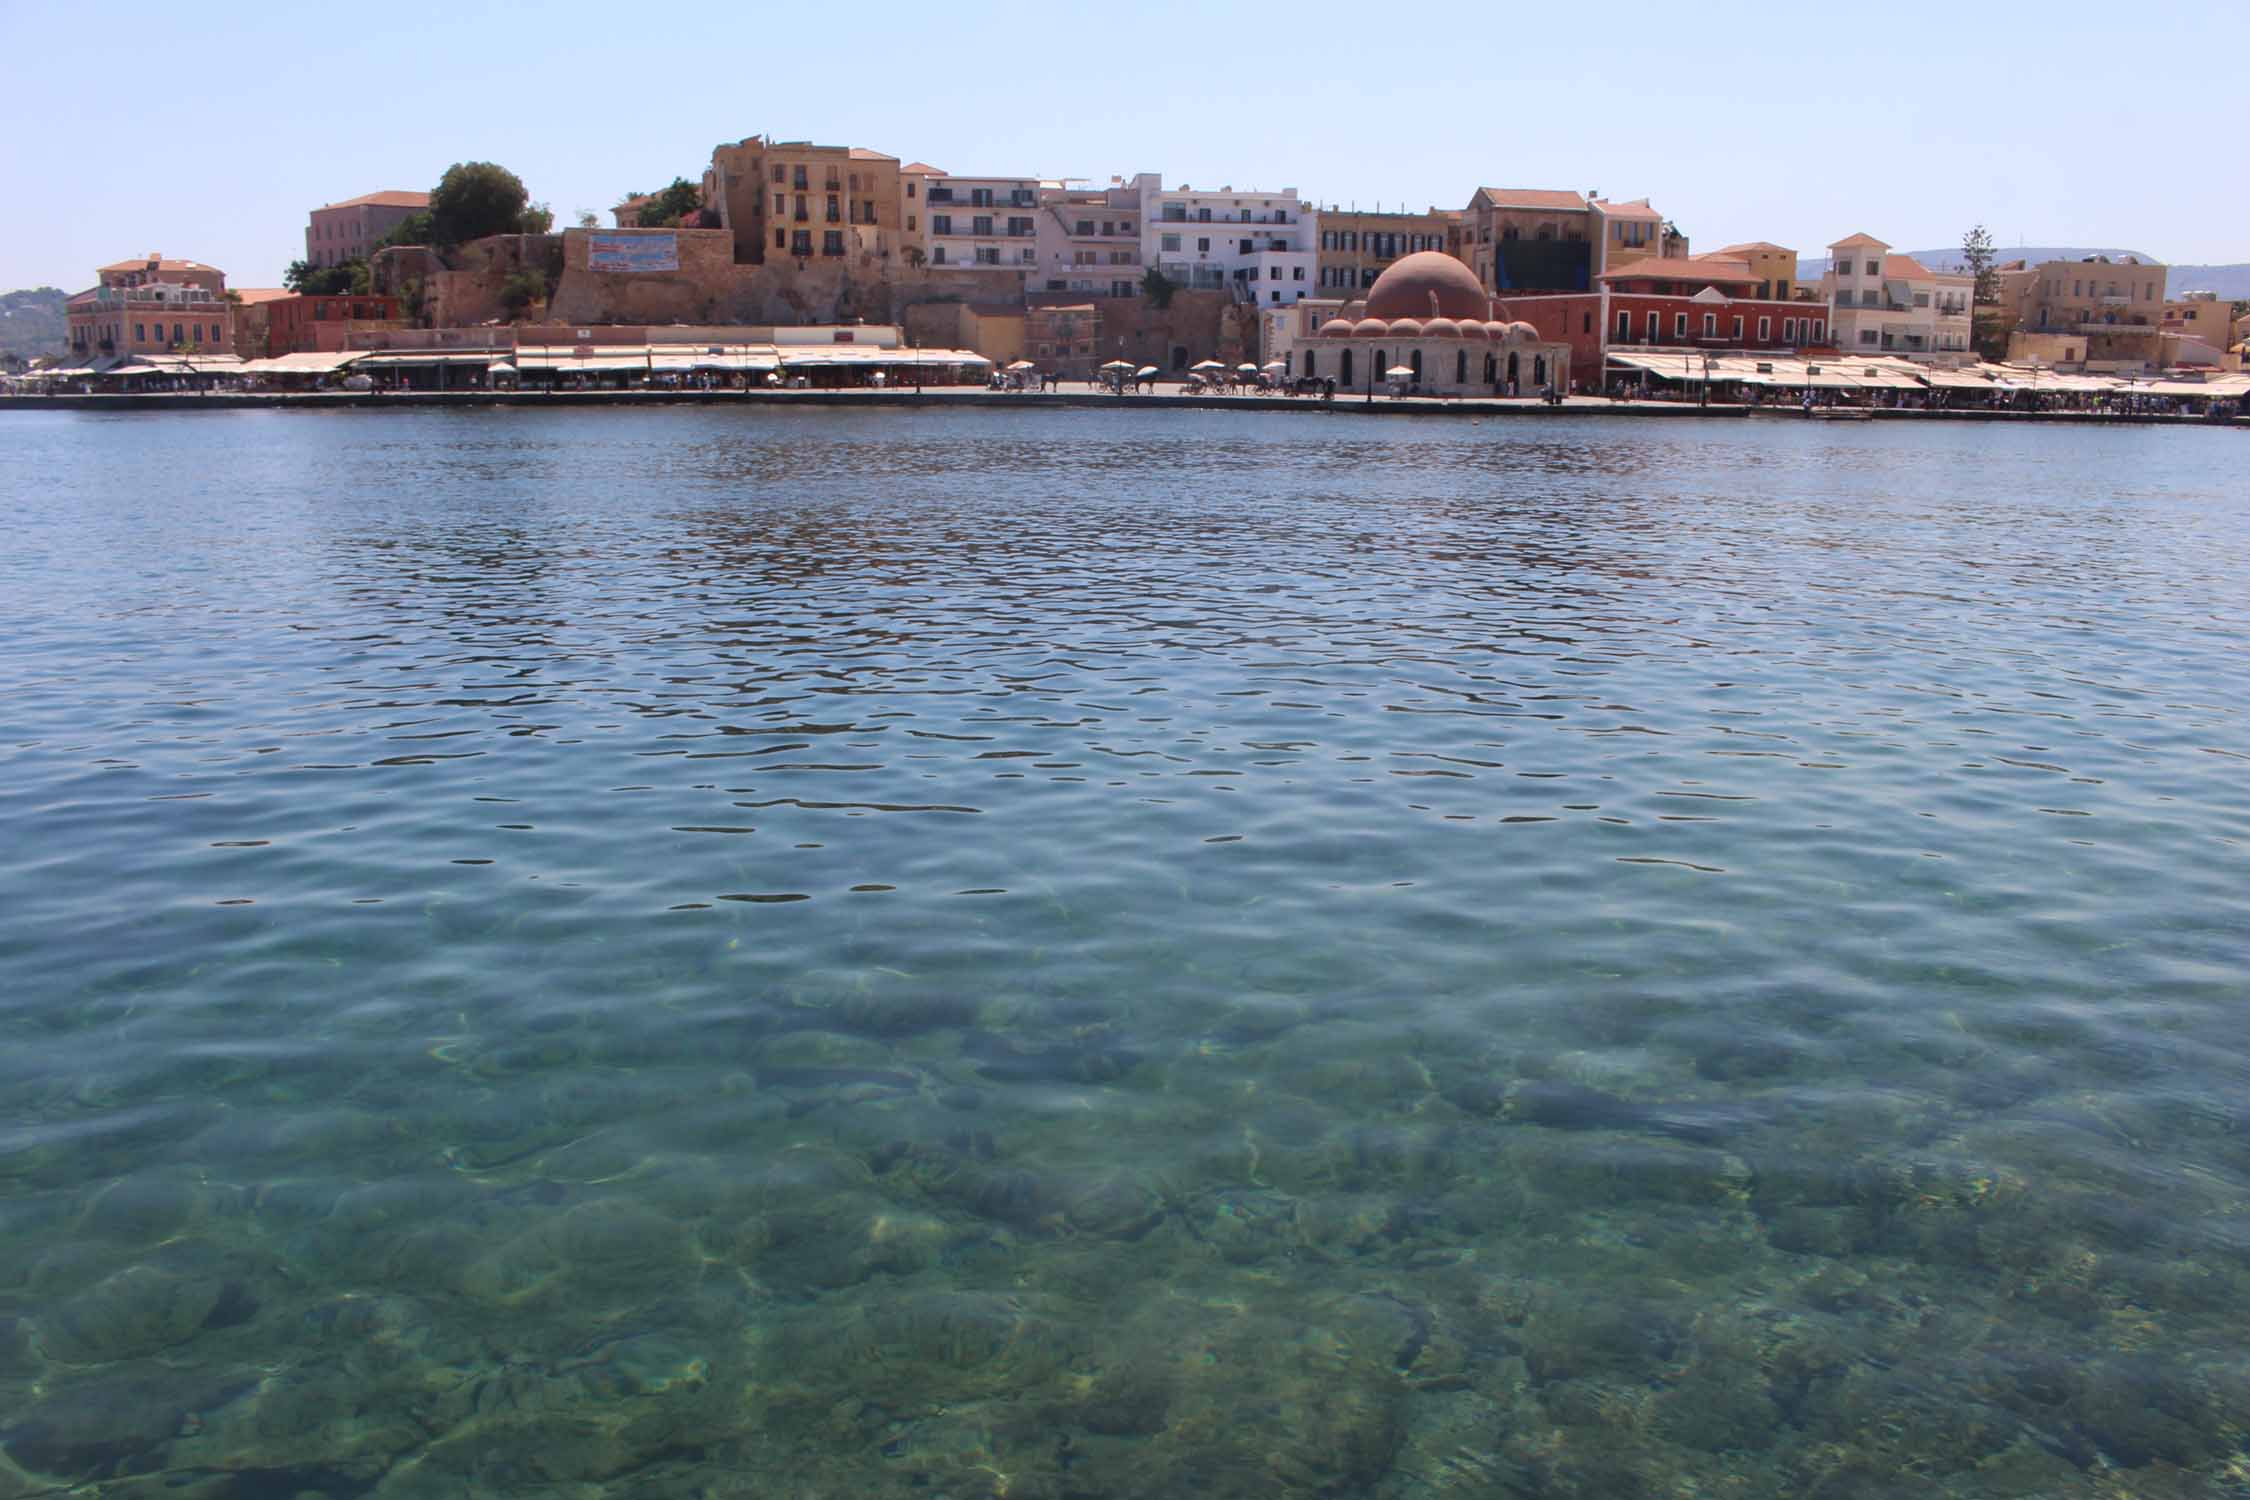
(1416, 366)
(1382, 363)
(1539, 370)
(1310, 357)
(1491, 368)
(1461, 367)
(1345, 379)
(1513, 368)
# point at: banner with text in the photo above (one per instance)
(633, 252)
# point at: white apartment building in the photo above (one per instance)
(980, 223)
(1893, 304)
(1263, 246)
(1089, 239)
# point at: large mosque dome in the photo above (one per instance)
(1427, 284)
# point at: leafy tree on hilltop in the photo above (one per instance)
(415, 229)
(670, 207)
(347, 279)
(537, 219)
(1977, 253)
(474, 199)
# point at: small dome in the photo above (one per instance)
(1495, 329)
(1371, 328)
(1336, 328)
(1428, 283)
(1472, 329)
(1523, 333)
(1406, 328)
(1441, 328)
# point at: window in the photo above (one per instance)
(1738, 328)
(1655, 326)
(1765, 329)
(777, 174)
(140, 336)
(1624, 326)
(1273, 273)
(1867, 335)
(1789, 330)
(835, 210)
(1679, 325)
(1203, 246)
(1586, 323)
(941, 223)
(1085, 226)
(988, 255)
(910, 190)
(832, 242)
(980, 224)
(781, 203)
(1296, 273)
(800, 242)
(1460, 367)
(937, 255)
(1169, 241)
(1121, 289)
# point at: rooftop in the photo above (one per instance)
(1636, 209)
(388, 198)
(1717, 269)
(158, 262)
(1754, 245)
(1553, 199)
(1856, 241)
(249, 295)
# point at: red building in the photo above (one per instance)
(272, 322)
(1686, 306)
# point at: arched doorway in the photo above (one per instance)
(1311, 360)
(1460, 367)
(1539, 370)
(1513, 370)
(1491, 368)
(1416, 366)
(1179, 356)
(1346, 378)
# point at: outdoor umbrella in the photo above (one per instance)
(1118, 364)
(1246, 368)
(1023, 364)
(1208, 364)
(1275, 367)
(1399, 372)
(1145, 371)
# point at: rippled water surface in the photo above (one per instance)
(695, 953)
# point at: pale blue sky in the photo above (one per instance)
(208, 132)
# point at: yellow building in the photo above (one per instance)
(1773, 265)
(796, 200)
(1356, 247)
(2202, 316)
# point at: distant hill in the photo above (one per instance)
(2230, 281)
(32, 323)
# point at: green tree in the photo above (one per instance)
(349, 278)
(1158, 288)
(415, 229)
(474, 199)
(1977, 253)
(521, 290)
(537, 219)
(588, 219)
(672, 206)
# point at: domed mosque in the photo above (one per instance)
(1427, 313)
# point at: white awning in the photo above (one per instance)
(430, 357)
(303, 363)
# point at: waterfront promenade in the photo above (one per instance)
(1077, 395)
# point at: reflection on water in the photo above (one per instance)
(1120, 953)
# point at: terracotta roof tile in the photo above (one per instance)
(1855, 242)
(254, 294)
(1546, 198)
(1637, 209)
(141, 264)
(861, 153)
(1683, 268)
(1766, 245)
(1906, 268)
(385, 199)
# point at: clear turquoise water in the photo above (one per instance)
(1084, 954)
